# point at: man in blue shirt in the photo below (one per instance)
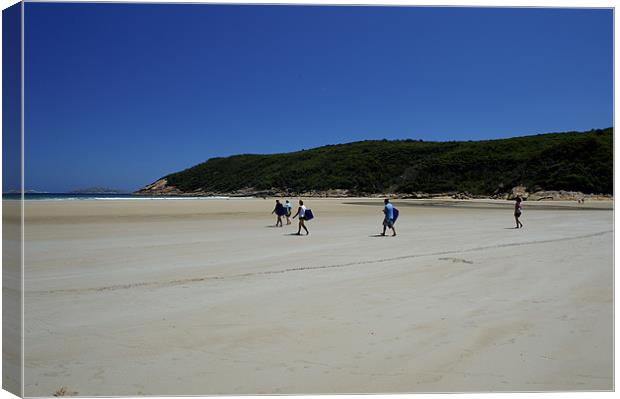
(388, 220)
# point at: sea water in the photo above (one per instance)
(101, 197)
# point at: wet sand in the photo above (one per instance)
(199, 297)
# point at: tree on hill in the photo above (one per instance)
(577, 161)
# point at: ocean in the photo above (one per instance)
(100, 197)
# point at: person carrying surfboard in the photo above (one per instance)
(280, 211)
(388, 219)
(301, 212)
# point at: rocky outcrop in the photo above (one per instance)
(518, 191)
(332, 193)
(160, 187)
(462, 195)
(562, 195)
(549, 195)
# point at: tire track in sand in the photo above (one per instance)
(307, 268)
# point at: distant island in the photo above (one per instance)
(18, 191)
(98, 190)
(577, 162)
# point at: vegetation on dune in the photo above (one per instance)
(577, 161)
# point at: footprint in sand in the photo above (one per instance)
(63, 391)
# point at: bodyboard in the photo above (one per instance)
(308, 215)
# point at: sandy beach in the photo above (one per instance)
(200, 297)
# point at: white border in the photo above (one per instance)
(470, 3)
(23, 183)
(429, 3)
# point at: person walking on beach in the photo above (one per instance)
(279, 211)
(388, 219)
(518, 208)
(301, 212)
(289, 208)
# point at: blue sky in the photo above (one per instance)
(119, 95)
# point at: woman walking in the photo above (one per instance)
(301, 212)
(518, 208)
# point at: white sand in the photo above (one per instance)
(205, 297)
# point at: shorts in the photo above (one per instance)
(388, 222)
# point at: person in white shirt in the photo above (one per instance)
(289, 211)
(301, 212)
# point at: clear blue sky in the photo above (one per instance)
(119, 95)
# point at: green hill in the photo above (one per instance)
(575, 161)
